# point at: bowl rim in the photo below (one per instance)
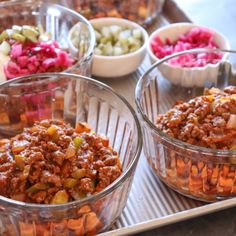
(73, 13)
(173, 141)
(114, 185)
(185, 24)
(117, 21)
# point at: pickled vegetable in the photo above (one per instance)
(70, 152)
(115, 40)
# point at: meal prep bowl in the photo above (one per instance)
(57, 21)
(117, 66)
(72, 98)
(197, 172)
(185, 76)
(143, 13)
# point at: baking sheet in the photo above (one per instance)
(151, 203)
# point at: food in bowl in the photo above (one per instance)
(143, 13)
(52, 163)
(206, 121)
(191, 69)
(115, 40)
(189, 138)
(70, 98)
(29, 50)
(197, 37)
(125, 56)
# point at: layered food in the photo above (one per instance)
(207, 121)
(26, 50)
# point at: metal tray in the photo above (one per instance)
(151, 203)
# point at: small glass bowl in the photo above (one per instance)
(72, 98)
(57, 20)
(197, 172)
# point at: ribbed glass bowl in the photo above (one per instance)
(72, 98)
(201, 173)
(58, 21)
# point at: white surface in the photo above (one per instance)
(117, 66)
(187, 77)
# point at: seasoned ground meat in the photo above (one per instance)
(207, 121)
(53, 163)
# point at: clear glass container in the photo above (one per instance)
(197, 172)
(72, 98)
(58, 21)
(140, 11)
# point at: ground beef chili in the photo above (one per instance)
(52, 163)
(207, 121)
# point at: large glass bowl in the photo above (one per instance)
(58, 21)
(72, 98)
(197, 172)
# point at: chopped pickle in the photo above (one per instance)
(78, 173)
(60, 197)
(37, 187)
(18, 37)
(17, 28)
(115, 40)
(30, 33)
(77, 142)
(5, 48)
(3, 36)
(69, 183)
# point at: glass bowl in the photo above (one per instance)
(57, 20)
(72, 98)
(197, 172)
(142, 11)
